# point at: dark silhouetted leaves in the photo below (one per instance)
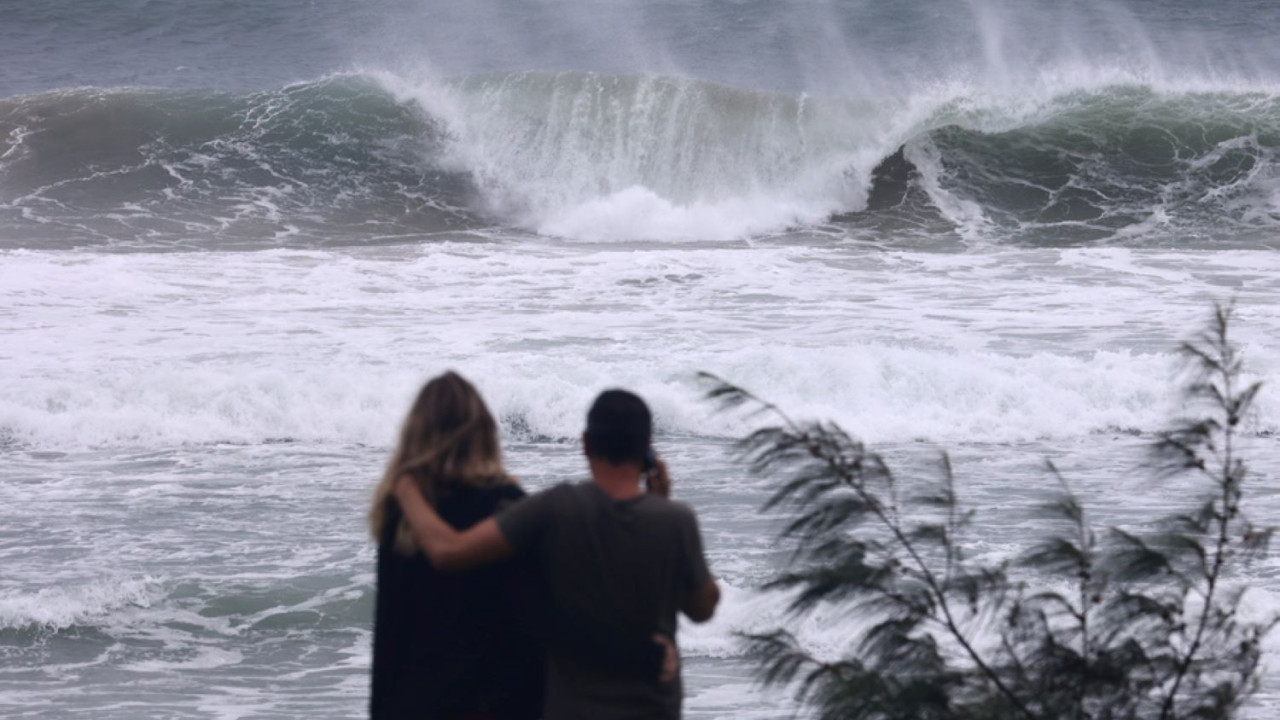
(1133, 623)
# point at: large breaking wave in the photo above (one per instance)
(359, 159)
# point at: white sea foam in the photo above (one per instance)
(205, 658)
(883, 392)
(637, 212)
(330, 347)
(64, 606)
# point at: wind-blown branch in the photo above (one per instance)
(1146, 631)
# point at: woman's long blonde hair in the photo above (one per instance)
(448, 438)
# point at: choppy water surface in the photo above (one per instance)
(230, 255)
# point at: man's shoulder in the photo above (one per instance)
(675, 510)
(565, 489)
(586, 494)
(526, 521)
(669, 505)
(557, 497)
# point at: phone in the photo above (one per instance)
(650, 460)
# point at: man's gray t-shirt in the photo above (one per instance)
(628, 564)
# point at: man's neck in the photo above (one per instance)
(620, 482)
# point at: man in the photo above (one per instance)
(613, 556)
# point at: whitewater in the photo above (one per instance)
(235, 240)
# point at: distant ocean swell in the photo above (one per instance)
(368, 159)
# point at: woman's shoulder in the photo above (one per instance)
(470, 502)
(503, 494)
(390, 522)
(508, 489)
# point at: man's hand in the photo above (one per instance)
(405, 484)
(701, 605)
(657, 481)
(670, 659)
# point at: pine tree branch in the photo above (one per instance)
(1220, 359)
(732, 395)
(1160, 637)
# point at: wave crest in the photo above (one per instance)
(58, 608)
(375, 159)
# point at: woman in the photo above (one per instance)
(450, 646)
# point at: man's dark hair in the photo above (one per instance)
(619, 428)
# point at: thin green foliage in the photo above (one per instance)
(1087, 623)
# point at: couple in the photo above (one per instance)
(560, 605)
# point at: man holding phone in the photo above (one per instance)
(610, 553)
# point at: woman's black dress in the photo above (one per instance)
(455, 644)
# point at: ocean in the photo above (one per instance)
(235, 238)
